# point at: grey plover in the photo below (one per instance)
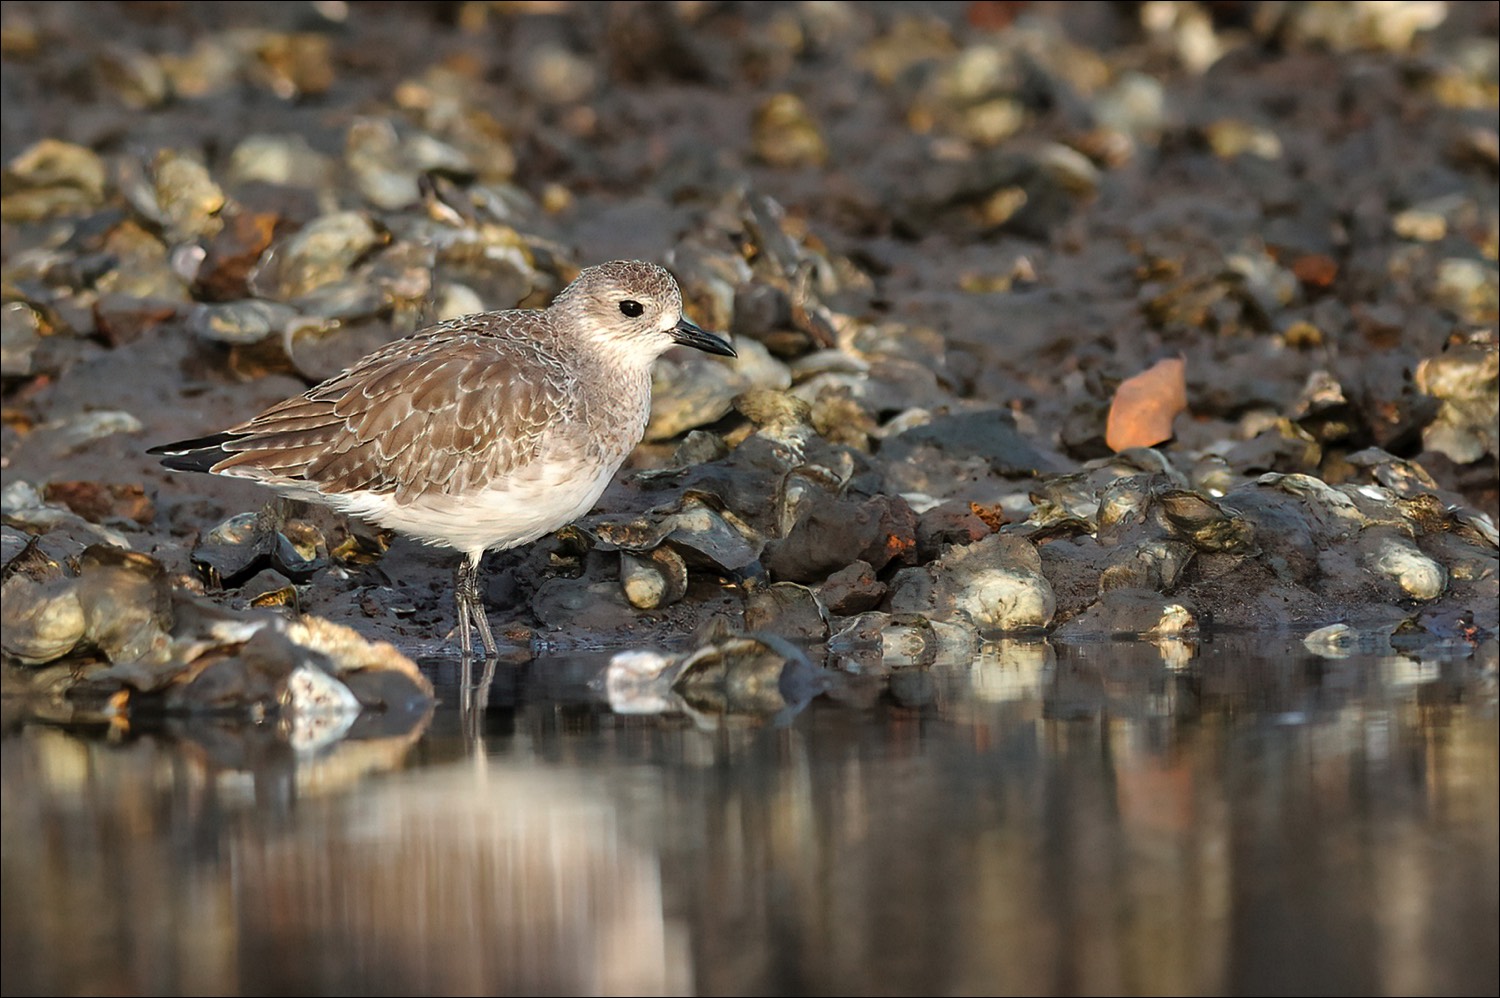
(479, 433)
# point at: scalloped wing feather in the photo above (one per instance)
(442, 413)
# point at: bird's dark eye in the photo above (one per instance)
(631, 307)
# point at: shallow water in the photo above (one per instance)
(1236, 817)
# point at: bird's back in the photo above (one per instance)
(450, 410)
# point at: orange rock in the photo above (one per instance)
(1145, 405)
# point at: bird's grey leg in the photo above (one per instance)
(470, 609)
(483, 620)
(461, 605)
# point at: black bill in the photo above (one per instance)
(689, 335)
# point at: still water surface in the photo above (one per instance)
(1241, 817)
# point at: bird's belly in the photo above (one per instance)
(516, 510)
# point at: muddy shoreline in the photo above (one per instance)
(941, 239)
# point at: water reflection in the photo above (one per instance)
(1043, 819)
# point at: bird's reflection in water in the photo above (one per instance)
(1043, 818)
(474, 697)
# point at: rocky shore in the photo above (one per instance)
(945, 242)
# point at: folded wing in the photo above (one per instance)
(447, 414)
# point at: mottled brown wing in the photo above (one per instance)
(445, 413)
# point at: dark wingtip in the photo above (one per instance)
(198, 454)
